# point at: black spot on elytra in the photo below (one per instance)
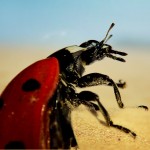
(15, 145)
(1, 103)
(31, 85)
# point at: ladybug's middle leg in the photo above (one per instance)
(100, 79)
(85, 97)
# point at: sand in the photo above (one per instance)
(90, 133)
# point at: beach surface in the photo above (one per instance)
(90, 132)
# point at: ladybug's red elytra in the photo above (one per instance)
(24, 112)
(35, 106)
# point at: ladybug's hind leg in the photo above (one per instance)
(62, 136)
(56, 138)
(87, 96)
(69, 139)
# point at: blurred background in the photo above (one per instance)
(32, 30)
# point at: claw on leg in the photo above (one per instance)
(121, 84)
(144, 107)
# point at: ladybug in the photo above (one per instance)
(35, 107)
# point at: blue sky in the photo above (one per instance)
(59, 23)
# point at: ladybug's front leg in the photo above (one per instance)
(100, 79)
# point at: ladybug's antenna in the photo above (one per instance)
(106, 38)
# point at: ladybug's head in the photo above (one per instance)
(96, 50)
(106, 50)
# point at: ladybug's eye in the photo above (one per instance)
(31, 85)
(15, 145)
